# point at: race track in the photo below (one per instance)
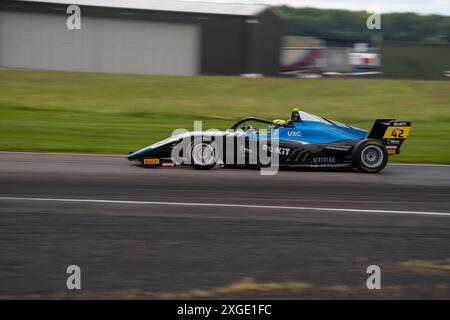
(223, 233)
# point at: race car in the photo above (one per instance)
(305, 140)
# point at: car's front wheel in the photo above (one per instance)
(203, 155)
(370, 156)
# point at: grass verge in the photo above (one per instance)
(117, 113)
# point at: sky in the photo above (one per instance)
(418, 6)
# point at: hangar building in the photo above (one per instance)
(141, 36)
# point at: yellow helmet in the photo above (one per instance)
(295, 116)
(279, 121)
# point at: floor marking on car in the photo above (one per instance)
(225, 205)
(124, 156)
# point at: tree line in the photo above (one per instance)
(331, 23)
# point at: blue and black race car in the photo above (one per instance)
(305, 140)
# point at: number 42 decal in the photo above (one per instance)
(397, 132)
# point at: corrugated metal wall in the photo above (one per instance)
(42, 41)
(414, 60)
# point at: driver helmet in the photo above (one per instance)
(276, 123)
(295, 116)
(279, 122)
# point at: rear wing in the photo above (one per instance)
(391, 133)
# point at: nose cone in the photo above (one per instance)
(131, 156)
(138, 154)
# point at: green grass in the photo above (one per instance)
(112, 113)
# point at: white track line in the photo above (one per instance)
(65, 154)
(419, 164)
(224, 205)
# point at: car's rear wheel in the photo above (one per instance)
(203, 155)
(370, 156)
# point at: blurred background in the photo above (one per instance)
(148, 67)
(137, 70)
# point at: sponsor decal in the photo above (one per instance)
(277, 150)
(292, 133)
(168, 164)
(391, 149)
(393, 142)
(397, 132)
(324, 160)
(244, 149)
(151, 161)
(329, 165)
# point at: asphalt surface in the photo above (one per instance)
(147, 233)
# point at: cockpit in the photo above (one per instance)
(252, 125)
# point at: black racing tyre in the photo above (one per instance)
(369, 156)
(203, 155)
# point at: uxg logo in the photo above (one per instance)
(73, 22)
(374, 21)
(74, 280)
(374, 280)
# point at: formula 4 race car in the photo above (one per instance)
(305, 140)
